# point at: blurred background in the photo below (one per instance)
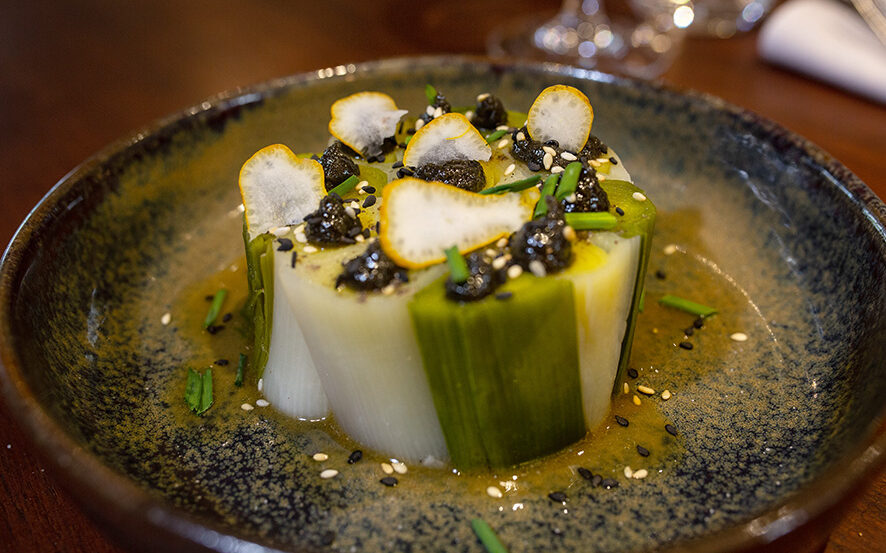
(75, 76)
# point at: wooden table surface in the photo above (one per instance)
(75, 76)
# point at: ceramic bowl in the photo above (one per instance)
(774, 432)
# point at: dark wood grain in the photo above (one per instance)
(75, 76)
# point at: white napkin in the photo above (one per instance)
(829, 41)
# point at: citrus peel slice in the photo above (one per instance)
(364, 120)
(420, 219)
(279, 188)
(445, 138)
(561, 113)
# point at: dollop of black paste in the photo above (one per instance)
(483, 280)
(543, 240)
(528, 151)
(593, 148)
(331, 223)
(589, 195)
(371, 270)
(337, 164)
(466, 174)
(490, 113)
(441, 102)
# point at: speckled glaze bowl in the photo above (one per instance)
(775, 432)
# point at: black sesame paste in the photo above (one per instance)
(483, 279)
(332, 223)
(531, 152)
(441, 102)
(593, 148)
(337, 165)
(490, 113)
(466, 174)
(589, 195)
(543, 240)
(371, 270)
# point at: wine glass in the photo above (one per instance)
(639, 39)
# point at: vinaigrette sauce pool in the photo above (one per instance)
(605, 450)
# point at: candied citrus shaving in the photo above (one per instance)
(561, 113)
(450, 136)
(279, 188)
(364, 120)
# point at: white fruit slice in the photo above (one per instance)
(363, 121)
(450, 136)
(561, 113)
(278, 188)
(419, 220)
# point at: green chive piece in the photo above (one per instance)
(346, 186)
(241, 366)
(430, 94)
(696, 309)
(458, 267)
(487, 536)
(495, 136)
(591, 221)
(407, 139)
(198, 391)
(515, 186)
(570, 180)
(215, 307)
(547, 189)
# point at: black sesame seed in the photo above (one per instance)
(686, 345)
(285, 244)
(221, 362)
(552, 144)
(369, 201)
(632, 372)
(595, 481)
(209, 298)
(404, 172)
(294, 258)
(619, 210)
(533, 166)
(504, 295)
(411, 131)
(369, 189)
(689, 331)
(389, 481)
(698, 323)
(315, 157)
(621, 420)
(642, 451)
(227, 318)
(585, 473)
(397, 165)
(355, 456)
(557, 497)
(613, 161)
(365, 233)
(671, 429)
(213, 329)
(660, 275)
(609, 483)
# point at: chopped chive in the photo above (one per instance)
(346, 186)
(696, 309)
(515, 186)
(569, 181)
(217, 300)
(495, 136)
(458, 267)
(547, 189)
(198, 391)
(430, 93)
(407, 139)
(241, 366)
(602, 220)
(206, 395)
(487, 536)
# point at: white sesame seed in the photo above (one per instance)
(571, 198)
(502, 144)
(670, 249)
(636, 400)
(569, 233)
(301, 238)
(493, 491)
(262, 402)
(470, 115)
(499, 262)
(735, 337)
(261, 384)
(502, 242)
(514, 271)
(568, 156)
(310, 249)
(419, 124)
(537, 268)
(638, 196)
(594, 163)
(481, 97)
(320, 457)
(430, 110)
(602, 159)
(547, 161)
(627, 388)
(510, 169)
(400, 468)
(521, 136)
(490, 253)
(247, 407)
(556, 169)
(502, 128)
(166, 318)
(388, 290)
(328, 473)
(387, 468)
(549, 150)
(362, 183)
(280, 231)
(640, 474)
(645, 390)
(359, 238)
(350, 212)
(666, 395)
(601, 177)
(628, 472)
(241, 208)
(438, 112)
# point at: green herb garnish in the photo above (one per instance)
(215, 307)
(407, 139)
(495, 135)
(487, 536)
(591, 221)
(430, 94)
(346, 186)
(458, 267)
(198, 391)
(515, 186)
(547, 189)
(696, 309)
(241, 366)
(569, 181)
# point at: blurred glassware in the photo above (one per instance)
(724, 18)
(874, 14)
(635, 40)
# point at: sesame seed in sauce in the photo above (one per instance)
(502, 296)
(569, 233)
(609, 483)
(670, 249)
(645, 390)
(262, 402)
(349, 211)
(387, 468)
(636, 400)
(502, 128)
(320, 457)
(557, 169)
(594, 163)
(533, 166)
(502, 144)
(419, 124)
(469, 115)
(247, 407)
(166, 318)
(389, 481)
(671, 429)
(738, 337)
(493, 491)
(355, 456)
(641, 474)
(310, 249)
(261, 384)
(557, 497)
(369, 201)
(549, 150)
(698, 323)
(638, 196)
(400, 468)
(514, 271)
(521, 136)
(568, 156)
(619, 210)
(438, 112)
(596, 480)
(613, 161)
(502, 242)
(429, 110)
(537, 268)
(397, 164)
(628, 472)
(547, 161)
(585, 473)
(632, 372)
(227, 317)
(481, 97)
(510, 169)
(621, 421)
(499, 262)
(642, 451)
(666, 395)
(627, 389)
(686, 345)
(222, 362)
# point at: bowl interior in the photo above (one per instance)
(791, 258)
